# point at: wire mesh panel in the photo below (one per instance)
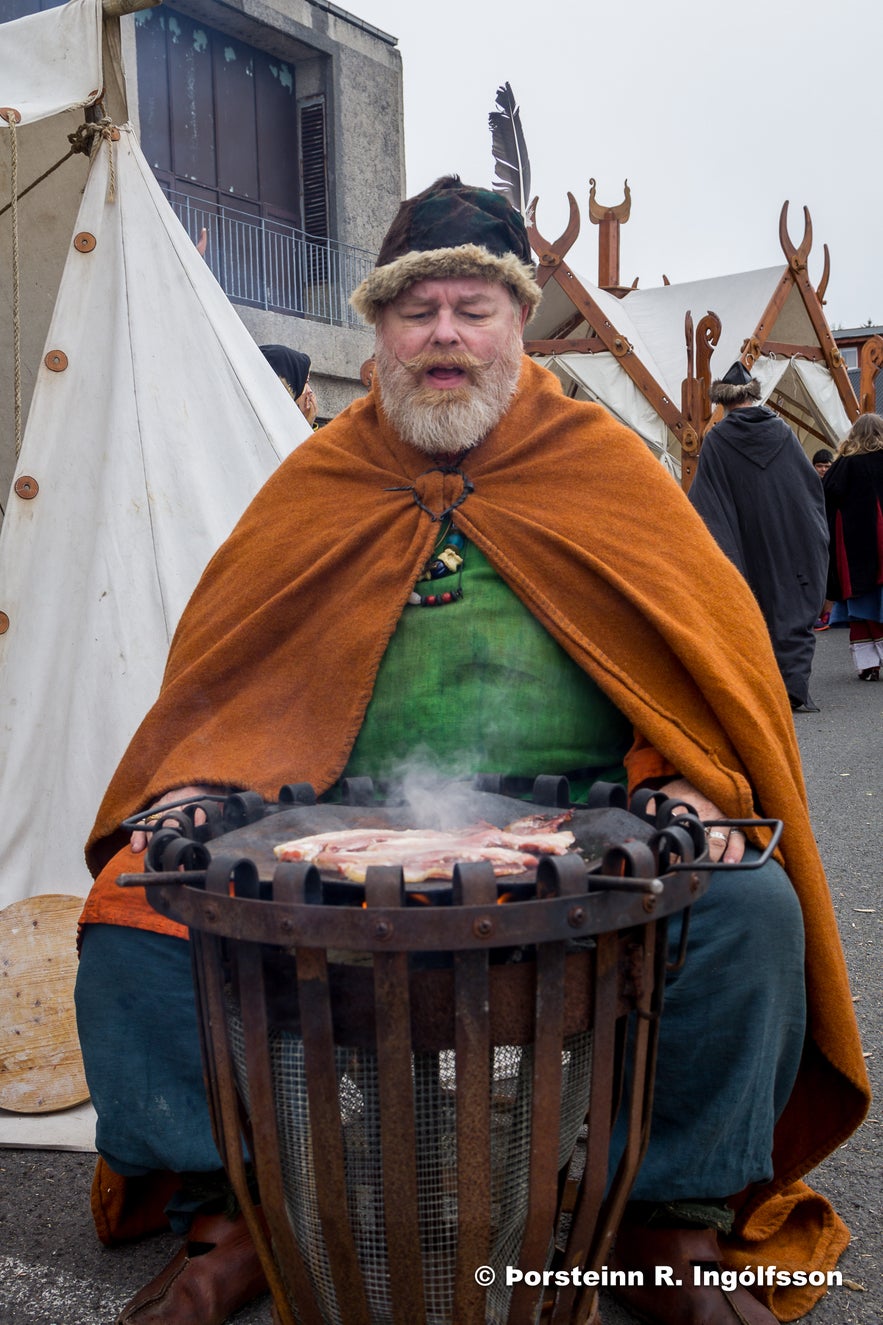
(434, 1084)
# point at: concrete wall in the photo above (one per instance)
(336, 353)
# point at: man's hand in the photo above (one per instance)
(308, 404)
(724, 844)
(140, 839)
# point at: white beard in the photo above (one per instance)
(447, 422)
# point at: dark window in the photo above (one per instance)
(276, 134)
(218, 117)
(313, 167)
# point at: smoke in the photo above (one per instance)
(435, 799)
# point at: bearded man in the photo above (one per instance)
(454, 569)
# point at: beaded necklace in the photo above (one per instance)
(445, 562)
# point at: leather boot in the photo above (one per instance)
(128, 1209)
(213, 1274)
(662, 1300)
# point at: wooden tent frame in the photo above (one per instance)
(689, 419)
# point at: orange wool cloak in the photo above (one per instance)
(273, 664)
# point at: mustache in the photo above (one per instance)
(474, 367)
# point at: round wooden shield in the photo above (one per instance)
(41, 1068)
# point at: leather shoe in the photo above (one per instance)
(803, 705)
(213, 1274)
(692, 1294)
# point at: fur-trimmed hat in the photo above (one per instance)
(736, 385)
(450, 229)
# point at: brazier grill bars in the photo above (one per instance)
(428, 1089)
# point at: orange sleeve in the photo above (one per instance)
(108, 904)
(644, 763)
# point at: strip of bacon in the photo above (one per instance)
(352, 839)
(438, 864)
(549, 844)
(366, 839)
(418, 850)
(540, 823)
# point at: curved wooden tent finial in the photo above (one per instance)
(708, 333)
(870, 362)
(826, 273)
(796, 256)
(551, 254)
(621, 212)
(701, 340)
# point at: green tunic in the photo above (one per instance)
(479, 686)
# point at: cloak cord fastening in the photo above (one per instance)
(468, 487)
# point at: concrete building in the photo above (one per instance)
(862, 350)
(274, 125)
(277, 127)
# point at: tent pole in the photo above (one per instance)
(117, 8)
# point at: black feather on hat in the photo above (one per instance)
(736, 385)
(450, 229)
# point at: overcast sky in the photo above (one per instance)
(714, 119)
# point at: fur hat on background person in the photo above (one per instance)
(736, 386)
(450, 229)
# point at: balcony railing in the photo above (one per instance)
(269, 264)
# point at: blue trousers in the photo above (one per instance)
(731, 1040)
(136, 1018)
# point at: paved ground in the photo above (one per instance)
(53, 1271)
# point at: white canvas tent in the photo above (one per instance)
(599, 375)
(631, 354)
(154, 420)
(51, 62)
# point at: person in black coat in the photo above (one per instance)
(822, 461)
(853, 489)
(758, 493)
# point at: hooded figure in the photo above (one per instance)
(292, 366)
(760, 497)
